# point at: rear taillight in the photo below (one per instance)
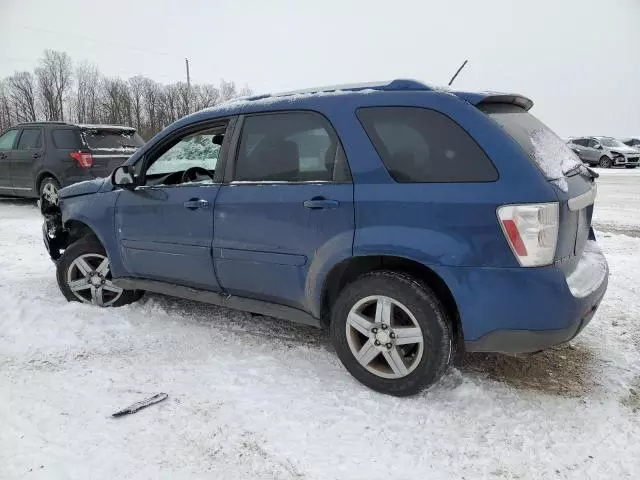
(531, 231)
(85, 160)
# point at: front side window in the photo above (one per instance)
(192, 159)
(31, 139)
(289, 147)
(7, 140)
(418, 145)
(583, 142)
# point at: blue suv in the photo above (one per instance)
(410, 221)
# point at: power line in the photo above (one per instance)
(95, 40)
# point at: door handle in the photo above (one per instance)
(3, 156)
(196, 203)
(318, 203)
(36, 155)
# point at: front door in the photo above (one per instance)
(7, 142)
(165, 226)
(24, 160)
(289, 202)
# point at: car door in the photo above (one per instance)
(24, 160)
(165, 226)
(7, 143)
(594, 153)
(287, 201)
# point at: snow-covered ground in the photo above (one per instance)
(254, 397)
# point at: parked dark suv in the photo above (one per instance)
(406, 219)
(36, 159)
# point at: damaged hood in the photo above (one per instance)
(82, 188)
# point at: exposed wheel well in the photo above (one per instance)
(350, 269)
(40, 179)
(78, 230)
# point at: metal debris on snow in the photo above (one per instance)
(133, 408)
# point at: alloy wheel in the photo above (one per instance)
(89, 278)
(384, 336)
(50, 193)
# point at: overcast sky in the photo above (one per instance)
(578, 60)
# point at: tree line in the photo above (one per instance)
(60, 90)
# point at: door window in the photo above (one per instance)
(592, 143)
(192, 159)
(581, 141)
(31, 139)
(7, 140)
(290, 147)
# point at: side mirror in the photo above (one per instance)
(123, 177)
(598, 146)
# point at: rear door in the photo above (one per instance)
(7, 143)
(579, 145)
(573, 183)
(26, 159)
(288, 202)
(110, 146)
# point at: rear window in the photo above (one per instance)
(545, 148)
(113, 139)
(67, 138)
(418, 145)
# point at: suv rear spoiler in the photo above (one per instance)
(478, 98)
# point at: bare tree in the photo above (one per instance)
(88, 81)
(227, 90)
(54, 80)
(116, 101)
(22, 91)
(6, 108)
(136, 91)
(204, 96)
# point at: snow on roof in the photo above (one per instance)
(91, 126)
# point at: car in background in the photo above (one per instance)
(407, 220)
(604, 152)
(37, 159)
(633, 142)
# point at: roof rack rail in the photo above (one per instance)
(45, 122)
(388, 86)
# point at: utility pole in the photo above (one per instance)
(186, 62)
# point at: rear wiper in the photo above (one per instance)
(573, 170)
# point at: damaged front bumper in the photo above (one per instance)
(54, 235)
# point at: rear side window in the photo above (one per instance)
(418, 145)
(552, 156)
(581, 141)
(66, 138)
(113, 139)
(30, 139)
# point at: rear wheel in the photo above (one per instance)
(84, 275)
(391, 333)
(605, 162)
(49, 190)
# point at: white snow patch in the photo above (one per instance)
(553, 156)
(590, 271)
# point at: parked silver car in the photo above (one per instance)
(633, 142)
(605, 152)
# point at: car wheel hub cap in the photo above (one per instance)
(384, 337)
(89, 278)
(50, 193)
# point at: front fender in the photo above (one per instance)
(97, 213)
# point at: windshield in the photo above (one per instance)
(545, 148)
(113, 139)
(611, 142)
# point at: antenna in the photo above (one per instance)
(459, 70)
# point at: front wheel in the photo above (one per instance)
(84, 275)
(391, 332)
(631, 166)
(605, 162)
(49, 190)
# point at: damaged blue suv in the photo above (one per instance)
(408, 220)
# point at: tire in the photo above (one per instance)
(413, 305)
(49, 188)
(605, 162)
(82, 264)
(630, 166)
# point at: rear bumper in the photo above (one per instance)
(519, 310)
(526, 341)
